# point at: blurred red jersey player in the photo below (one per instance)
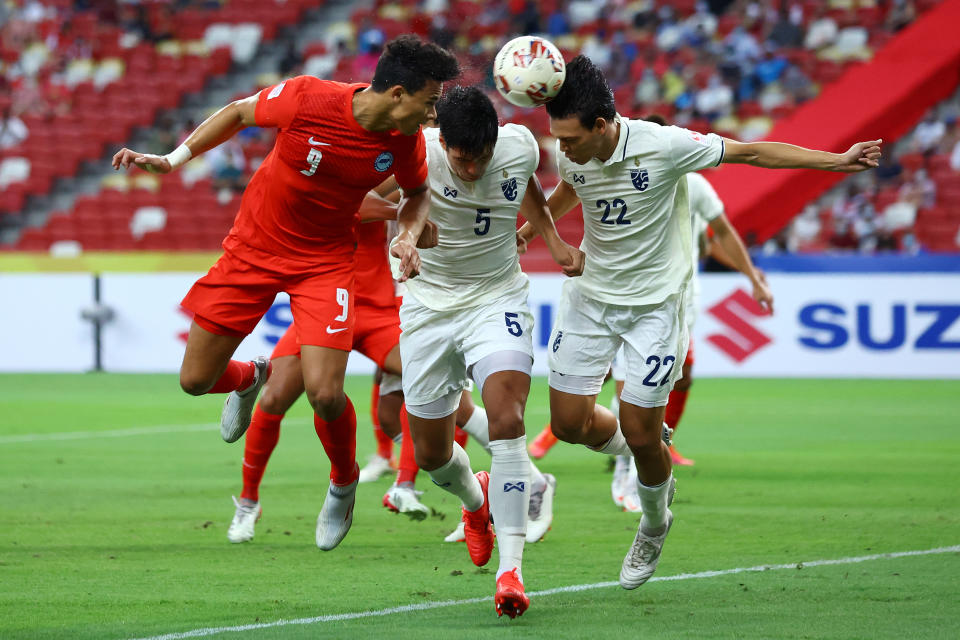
(296, 232)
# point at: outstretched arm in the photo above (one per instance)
(729, 240)
(779, 155)
(213, 131)
(534, 208)
(560, 202)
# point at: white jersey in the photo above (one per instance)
(705, 206)
(636, 215)
(476, 259)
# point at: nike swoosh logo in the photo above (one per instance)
(315, 143)
(329, 330)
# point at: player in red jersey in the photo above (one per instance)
(296, 232)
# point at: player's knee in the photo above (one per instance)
(272, 402)
(567, 431)
(645, 443)
(506, 425)
(431, 458)
(389, 421)
(193, 384)
(328, 402)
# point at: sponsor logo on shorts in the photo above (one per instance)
(640, 179)
(442, 486)
(509, 188)
(742, 339)
(514, 486)
(556, 341)
(383, 162)
(331, 330)
(317, 142)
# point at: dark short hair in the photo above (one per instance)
(584, 94)
(467, 120)
(409, 62)
(656, 118)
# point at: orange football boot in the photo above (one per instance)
(510, 598)
(542, 443)
(477, 530)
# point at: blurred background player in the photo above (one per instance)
(296, 232)
(629, 176)
(467, 315)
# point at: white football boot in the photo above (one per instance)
(336, 516)
(406, 501)
(457, 534)
(540, 514)
(244, 519)
(644, 556)
(238, 407)
(375, 469)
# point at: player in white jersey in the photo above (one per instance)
(466, 315)
(628, 176)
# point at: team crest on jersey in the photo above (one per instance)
(640, 179)
(449, 193)
(579, 178)
(383, 162)
(509, 188)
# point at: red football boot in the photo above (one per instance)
(510, 598)
(678, 459)
(542, 443)
(477, 528)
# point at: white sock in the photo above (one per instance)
(654, 503)
(457, 478)
(615, 406)
(509, 494)
(615, 446)
(623, 465)
(398, 439)
(478, 428)
(537, 481)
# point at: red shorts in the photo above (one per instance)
(375, 334)
(689, 360)
(234, 295)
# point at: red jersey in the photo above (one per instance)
(374, 282)
(301, 204)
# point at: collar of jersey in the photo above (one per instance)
(620, 152)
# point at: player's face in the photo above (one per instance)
(415, 109)
(466, 166)
(578, 143)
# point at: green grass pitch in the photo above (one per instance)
(116, 492)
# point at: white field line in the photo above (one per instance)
(118, 433)
(339, 617)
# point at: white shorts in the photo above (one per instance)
(438, 348)
(587, 334)
(389, 383)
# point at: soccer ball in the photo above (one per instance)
(529, 71)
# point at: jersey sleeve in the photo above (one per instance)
(704, 201)
(277, 105)
(693, 151)
(411, 170)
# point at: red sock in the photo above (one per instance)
(675, 404)
(339, 439)
(238, 376)
(261, 440)
(407, 470)
(460, 437)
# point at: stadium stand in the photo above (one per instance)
(740, 68)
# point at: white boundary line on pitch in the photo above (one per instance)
(340, 617)
(118, 433)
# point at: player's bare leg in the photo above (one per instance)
(336, 424)
(449, 468)
(505, 394)
(675, 407)
(279, 394)
(382, 461)
(207, 368)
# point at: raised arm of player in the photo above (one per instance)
(560, 202)
(779, 155)
(411, 218)
(732, 246)
(534, 208)
(213, 131)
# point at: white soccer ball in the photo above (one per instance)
(529, 71)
